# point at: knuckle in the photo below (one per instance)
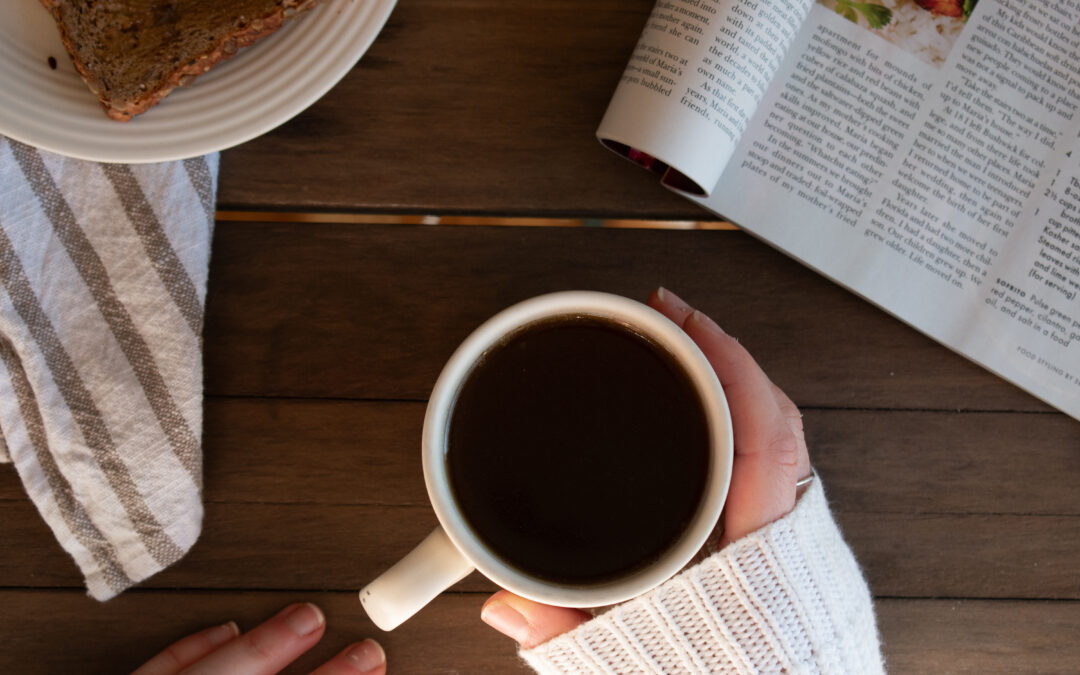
(174, 659)
(783, 448)
(787, 406)
(259, 646)
(789, 409)
(795, 420)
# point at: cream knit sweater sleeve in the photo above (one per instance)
(789, 598)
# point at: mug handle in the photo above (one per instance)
(414, 581)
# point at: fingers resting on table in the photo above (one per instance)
(267, 648)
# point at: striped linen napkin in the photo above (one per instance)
(103, 270)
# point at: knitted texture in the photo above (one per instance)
(788, 598)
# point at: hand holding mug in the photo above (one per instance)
(577, 451)
(770, 457)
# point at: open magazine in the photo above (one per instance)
(919, 153)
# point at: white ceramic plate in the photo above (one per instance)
(259, 88)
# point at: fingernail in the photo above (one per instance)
(505, 619)
(304, 619)
(671, 300)
(707, 323)
(365, 656)
(219, 635)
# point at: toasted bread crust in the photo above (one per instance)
(184, 73)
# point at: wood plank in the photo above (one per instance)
(479, 107)
(316, 452)
(304, 451)
(269, 546)
(117, 636)
(374, 311)
(970, 556)
(363, 452)
(985, 637)
(312, 484)
(919, 636)
(303, 546)
(947, 462)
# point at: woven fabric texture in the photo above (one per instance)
(103, 273)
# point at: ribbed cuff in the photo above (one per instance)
(786, 598)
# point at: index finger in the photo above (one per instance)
(188, 650)
(268, 647)
(768, 450)
(755, 412)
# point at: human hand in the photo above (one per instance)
(770, 457)
(265, 649)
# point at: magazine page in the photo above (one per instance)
(932, 165)
(694, 80)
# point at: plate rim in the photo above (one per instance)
(376, 14)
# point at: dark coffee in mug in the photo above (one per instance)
(577, 450)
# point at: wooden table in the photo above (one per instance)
(958, 492)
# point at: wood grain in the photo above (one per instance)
(921, 636)
(990, 556)
(984, 637)
(313, 484)
(906, 462)
(374, 311)
(340, 547)
(462, 106)
(289, 451)
(117, 636)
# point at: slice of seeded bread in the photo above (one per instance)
(132, 53)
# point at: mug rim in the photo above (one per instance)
(639, 317)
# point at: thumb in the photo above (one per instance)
(530, 623)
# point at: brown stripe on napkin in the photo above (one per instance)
(157, 245)
(84, 409)
(73, 513)
(103, 274)
(198, 170)
(96, 277)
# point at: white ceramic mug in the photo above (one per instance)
(453, 550)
